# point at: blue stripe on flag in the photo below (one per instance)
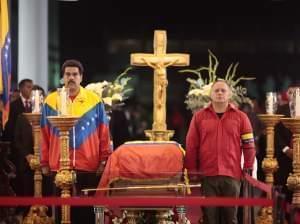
(6, 68)
(87, 125)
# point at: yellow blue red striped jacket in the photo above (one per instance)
(91, 143)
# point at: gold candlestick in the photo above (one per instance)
(293, 180)
(36, 213)
(65, 176)
(269, 163)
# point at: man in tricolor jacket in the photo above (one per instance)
(90, 143)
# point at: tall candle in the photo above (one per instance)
(63, 101)
(297, 102)
(270, 103)
(36, 102)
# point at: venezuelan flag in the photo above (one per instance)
(5, 58)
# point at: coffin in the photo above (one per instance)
(143, 164)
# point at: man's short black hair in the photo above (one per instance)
(23, 81)
(72, 63)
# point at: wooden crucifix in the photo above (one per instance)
(159, 61)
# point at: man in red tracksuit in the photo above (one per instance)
(216, 139)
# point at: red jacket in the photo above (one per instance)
(214, 145)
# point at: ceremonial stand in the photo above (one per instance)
(37, 213)
(65, 176)
(269, 163)
(293, 180)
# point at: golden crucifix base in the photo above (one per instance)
(158, 135)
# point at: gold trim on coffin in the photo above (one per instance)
(175, 186)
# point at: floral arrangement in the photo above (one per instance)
(113, 93)
(198, 95)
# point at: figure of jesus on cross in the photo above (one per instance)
(159, 61)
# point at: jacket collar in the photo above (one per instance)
(82, 96)
(231, 106)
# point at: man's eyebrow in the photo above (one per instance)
(72, 73)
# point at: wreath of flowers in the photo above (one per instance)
(198, 95)
(113, 93)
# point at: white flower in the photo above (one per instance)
(196, 92)
(107, 100)
(97, 87)
(206, 89)
(199, 93)
(116, 97)
(118, 88)
(112, 93)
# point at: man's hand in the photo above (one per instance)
(46, 170)
(248, 171)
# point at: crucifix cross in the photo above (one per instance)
(159, 61)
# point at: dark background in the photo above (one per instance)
(263, 36)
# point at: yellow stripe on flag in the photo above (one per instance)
(4, 27)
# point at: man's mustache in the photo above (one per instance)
(71, 82)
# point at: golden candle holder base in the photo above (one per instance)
(293, 180)
(269, 163)
(65, 176)
(158, 135)
(37, 213)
